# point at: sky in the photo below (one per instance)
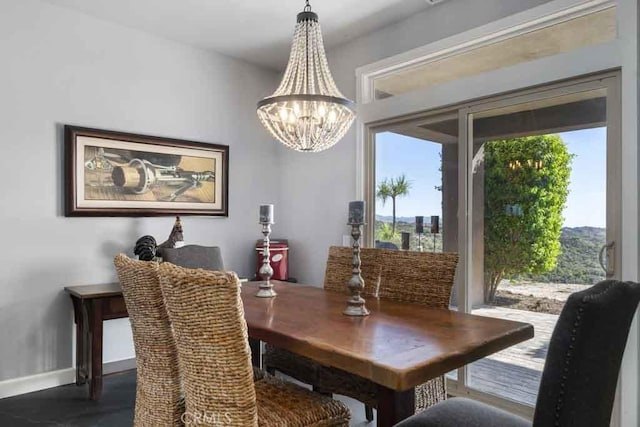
(419, 160)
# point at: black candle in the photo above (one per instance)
(405, 240)
(435, 224)
(419, 224)
(356, 212)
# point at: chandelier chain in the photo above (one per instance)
(308, 76)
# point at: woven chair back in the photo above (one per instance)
(339, 270)
(207, 317)
(158, 395)
(424, 278)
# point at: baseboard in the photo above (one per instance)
(45, 380)
(31, 383)
(118, 366)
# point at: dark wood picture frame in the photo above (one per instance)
(127, 170)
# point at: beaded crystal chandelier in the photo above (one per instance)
(307, 112)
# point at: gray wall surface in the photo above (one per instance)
(63, 67)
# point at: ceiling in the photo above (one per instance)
(258, 31)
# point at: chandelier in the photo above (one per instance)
(307, 112)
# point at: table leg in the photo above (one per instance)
(86, 340)
(394, 406)
(79, 320)
(256, 352)
(95, 325)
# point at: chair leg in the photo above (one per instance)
(368, 413)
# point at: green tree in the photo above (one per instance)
(526, 186)
(392, 189)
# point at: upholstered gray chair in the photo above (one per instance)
(194, 256)
(580, 374)
(386, 245)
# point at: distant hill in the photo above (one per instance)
(406, 219)
(578, 262)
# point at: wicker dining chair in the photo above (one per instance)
(209, 258)
(158, 393)
(338, 271)
(423, 278)
(210, 332)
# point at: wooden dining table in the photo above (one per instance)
(398, 346)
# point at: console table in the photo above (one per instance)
(92, 305)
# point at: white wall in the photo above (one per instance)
(62, 67)
(317, 188)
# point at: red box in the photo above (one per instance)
(278, 258)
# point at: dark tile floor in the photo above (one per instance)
(69, 405)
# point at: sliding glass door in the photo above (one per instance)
(541, 219)
(526, 187)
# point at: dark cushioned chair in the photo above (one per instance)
(581, 372)
(194, 256)
(386, 245)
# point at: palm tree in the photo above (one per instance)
(391, 189)
(385, 233)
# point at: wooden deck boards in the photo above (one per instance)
(514, 373)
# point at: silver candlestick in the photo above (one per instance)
(265, 289)
(355, 303)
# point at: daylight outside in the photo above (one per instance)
(539, 205)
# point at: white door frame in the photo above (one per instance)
(464, 112)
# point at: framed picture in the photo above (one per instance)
(120, 174)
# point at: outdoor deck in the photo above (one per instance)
(514, 373)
